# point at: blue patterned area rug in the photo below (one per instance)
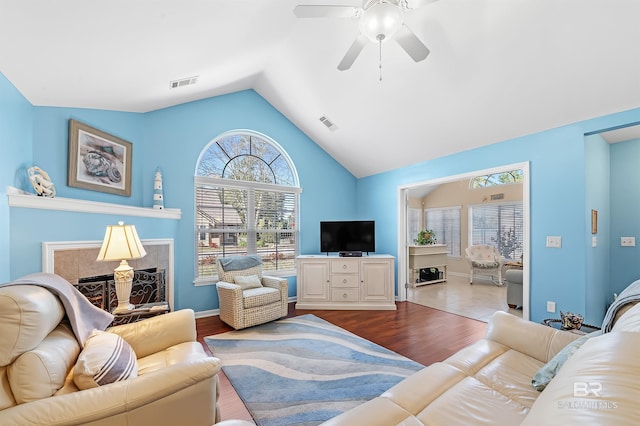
(304, 370)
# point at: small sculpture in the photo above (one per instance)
(158, 197)
(41, 182)
(571, 321)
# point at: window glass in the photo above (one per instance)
(246, 202)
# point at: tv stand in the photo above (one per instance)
(350, 254)
(346, 283)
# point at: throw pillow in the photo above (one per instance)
(106, 358)
(548, 371)
(248, 282)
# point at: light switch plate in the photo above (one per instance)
(554, 242)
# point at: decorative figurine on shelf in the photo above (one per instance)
(571, 321)
(158, 197)
(426, 237)
(41, 182)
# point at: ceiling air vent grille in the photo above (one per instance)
(330, 125)
(183, 82)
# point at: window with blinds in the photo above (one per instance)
(499, 225)
(240, 207)
(445, 222)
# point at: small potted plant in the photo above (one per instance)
(426, 237)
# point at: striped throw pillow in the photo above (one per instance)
(106, 358)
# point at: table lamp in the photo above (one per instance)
(121, 243)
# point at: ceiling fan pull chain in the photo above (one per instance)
(380, 56)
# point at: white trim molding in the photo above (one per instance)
(19, 198)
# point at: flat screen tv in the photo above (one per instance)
(348, 236)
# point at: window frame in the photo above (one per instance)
(250, 227)
(498, 205)
(447, 208)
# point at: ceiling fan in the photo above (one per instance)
(378, 20)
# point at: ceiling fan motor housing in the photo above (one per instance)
(380, 21)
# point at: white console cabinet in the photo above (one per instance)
(332, 282)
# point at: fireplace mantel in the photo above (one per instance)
(19, 198)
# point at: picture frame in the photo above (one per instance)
(98, 161)
(594, 221)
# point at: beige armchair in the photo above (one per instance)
(485, 260)
(176, 381)
(247, 297)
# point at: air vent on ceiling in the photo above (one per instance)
(330, 125)
(183, 82)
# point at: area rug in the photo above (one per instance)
(304, 370)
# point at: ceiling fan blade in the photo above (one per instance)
(414, 4)
(352, 53)
(411, 44)
(325, 11)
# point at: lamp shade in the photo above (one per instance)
(121, 242)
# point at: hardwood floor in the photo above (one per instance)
(423, 334)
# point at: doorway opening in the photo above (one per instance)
(421, 190)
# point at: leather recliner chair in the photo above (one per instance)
(176, 381)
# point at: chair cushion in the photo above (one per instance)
(260, 297)
(41, 372)
(485, 265)
(248, 282)
(106, 358)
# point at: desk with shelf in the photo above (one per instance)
(429, 256)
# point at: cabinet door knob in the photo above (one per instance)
(344, 281)
(344, 266)
(344, 296)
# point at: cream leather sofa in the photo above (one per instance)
(176, 381)
(489, 382)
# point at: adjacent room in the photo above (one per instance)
(295, 212)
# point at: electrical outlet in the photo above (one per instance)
(551, 307)
(627, 241)
(555, 242)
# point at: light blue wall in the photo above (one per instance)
(177, 135)
(171, 139)
(16, 123)
(597, 189)
(625, 214)
(558, 205)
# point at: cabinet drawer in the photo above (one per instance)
(344, 294)
(344, 280)
(344, 266)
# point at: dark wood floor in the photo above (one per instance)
(423, 334)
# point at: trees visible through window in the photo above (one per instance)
(502, 178)
(246, 202)
(445, 222)
(499, 225)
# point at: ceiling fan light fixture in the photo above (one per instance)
(381, 21)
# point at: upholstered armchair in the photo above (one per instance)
(247, 297)
(151, 372)
(485, 260)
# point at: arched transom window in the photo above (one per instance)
(246, 202)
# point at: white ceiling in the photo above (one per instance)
(498, 69)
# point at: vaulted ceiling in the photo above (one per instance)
(498, 69)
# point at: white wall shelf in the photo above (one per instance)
(18, 198)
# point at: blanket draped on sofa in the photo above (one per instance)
(83, 315)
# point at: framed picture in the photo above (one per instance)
(98, 161)
(594, 221)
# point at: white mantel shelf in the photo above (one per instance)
(29, 201)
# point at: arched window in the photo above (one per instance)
(246, 202)
(503, 178)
